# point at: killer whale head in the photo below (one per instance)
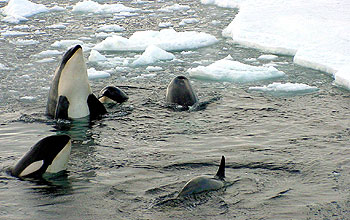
(49, 155)
(70, 93)
(180, 92)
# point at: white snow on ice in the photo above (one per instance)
(65, 44)
(110, 28)
(233, 71)
(175, 7)
(166, 39)
(151, 55)
(95, 74)
(94, 7)
(57, 26)
(315, 32)
(154, 68)
(285, 88)
(188, 21)
(267, 57)
(14, 33)
(19, 10)
(48, 53)
(95, 56)
(21, 42)
(223, 3)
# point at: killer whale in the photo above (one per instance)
(70, 95)
(111, 94)
(180, 92)
(49, 155)
(203, 183)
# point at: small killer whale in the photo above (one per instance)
(203, 183)
(50, 155)
(111, 94)
(180, 92)
(70, 94)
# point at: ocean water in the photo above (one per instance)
(287, 155)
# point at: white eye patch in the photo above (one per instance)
(35, 166)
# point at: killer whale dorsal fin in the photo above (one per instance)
(221, 172)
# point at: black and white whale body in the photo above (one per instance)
(70, 94)
(111, 94)
(49, 155)
(204, 183)
(180, 92)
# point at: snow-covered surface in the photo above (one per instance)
(95, 56)
(95, 74)
(167, 39)
(223, 3)
(315, 32)
(21, 42)
(188, 21)
(267, 57)
(154, 68)
(19, 10)
(175, 7)
(88, 6)
(233, 71)
(14, 33)
(48, 53)
(285, 88)
(165, 24)
(57, 26)
(111, 28)
(65, 44)
(151, 55)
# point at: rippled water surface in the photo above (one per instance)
(287, 156)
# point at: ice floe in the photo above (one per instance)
(9, 33)
(19, 10)
(95, 74)
(151, 55)
(48, 53)
(175, 7)
(95, 56)
(233, 71)
(188, 21)
(314, 32)
(94, 7)
(285, 88)
(65, 44)
(111, 28)
(21, 42)
(57, 26)
(166, 39)
(223, 3)
(154, 68)
(267, 57)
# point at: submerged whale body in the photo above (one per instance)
(70, 94)
(50, 155)
(204, 183)
(180, 92)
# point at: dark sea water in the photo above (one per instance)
(287, 156)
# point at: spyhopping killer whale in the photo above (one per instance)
(204, 183)
(180, 92)
(111, 94)
(49, 155)
(70, 94)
